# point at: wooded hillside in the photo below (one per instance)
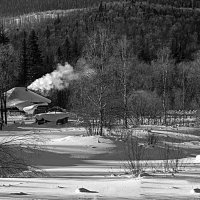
(19, 7)
(151, 55)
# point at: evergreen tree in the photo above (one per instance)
(59, 56)
(47, 36)
(34, 56)
(57, 25)
(3, 38)
(23, 64)
(75, 49)
(57, 20)
(67, 50)
(101, 7)
(48, 63)
(144, 52)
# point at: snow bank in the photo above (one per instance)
(197, 159)
(175, 135)
(81, 141)
(188, 145)
(73, 188)
(195, 191)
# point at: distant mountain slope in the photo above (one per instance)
(10, 8)
(36, 17)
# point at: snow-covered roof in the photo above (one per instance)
(22, 97)
(54, 116)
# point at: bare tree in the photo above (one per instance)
(144, 104)
(125, 59)
(184, 68)
(162, 67)
(97, 54)
(135, 152)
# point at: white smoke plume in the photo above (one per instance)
(59, 78)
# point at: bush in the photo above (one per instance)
(152, 139)
(135, 151)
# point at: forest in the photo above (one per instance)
(145, 57)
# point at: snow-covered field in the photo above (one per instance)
(93, 167)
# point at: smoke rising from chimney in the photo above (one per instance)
(59, 78)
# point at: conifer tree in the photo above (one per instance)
(59, 56)
(101, 7)
(23, 64)
(57, 26)
(47, 36)
(48, 63)
(67, 50)
(3, 38)
(34, 55)
(75, 49)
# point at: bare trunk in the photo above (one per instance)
(5, 108)
(183, 84)
(1, 123)
(125, 103)
(193, 7)
(164, 95)
(124, 79)
(101, 122)
(101, 111)
(2, 109)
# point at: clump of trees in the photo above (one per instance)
(142, 151)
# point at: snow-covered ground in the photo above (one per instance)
(92, 167)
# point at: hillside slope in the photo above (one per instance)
(19, 7)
